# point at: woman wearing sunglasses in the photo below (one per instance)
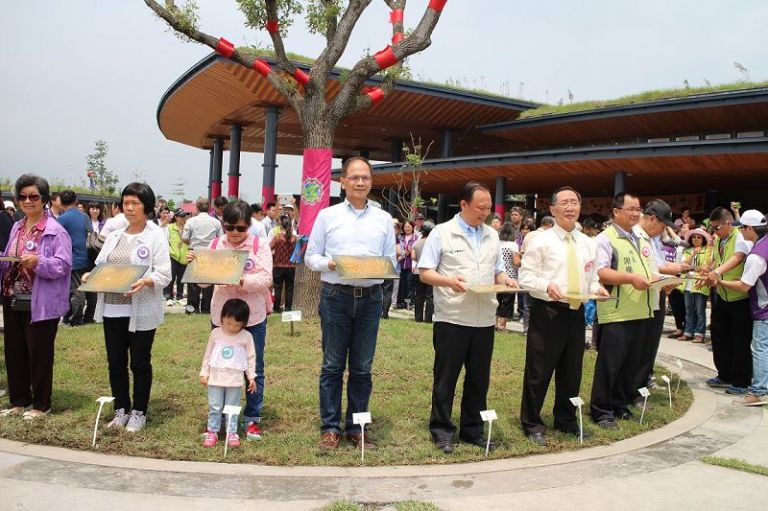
(254, 288)
(35, 287)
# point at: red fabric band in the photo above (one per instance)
(261, 66)
(376, 95)
(225, 48)
(301, 77)
(385, 58)
(396, 16)
(437, 5)
(399, 36)
(273, 26)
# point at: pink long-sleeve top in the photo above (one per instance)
(257, 281)
(227, 357)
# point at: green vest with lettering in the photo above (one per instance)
(729, 295)
(631, 303)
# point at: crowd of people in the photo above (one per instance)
(569, 273)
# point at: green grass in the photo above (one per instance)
(400, 403)
(736, 464)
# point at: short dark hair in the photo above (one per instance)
(760, 230)
(203, 205)
(144, 193)
(547, 220)
(236, 211)
(220, 202)
(98, 206)
(529, 224)
(116, 204)
(619, 198)
(469, 190)
(256, 208)
(270, 205)
(721, 214)
(350, 161)
(507, 232)
(553, 199)
(40, 183)
(236, 308)
(67, 197)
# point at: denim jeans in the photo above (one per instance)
(255, 401)
(759, 385)
(695, 313)
(590, 311)
(218, 398)
(349, 328)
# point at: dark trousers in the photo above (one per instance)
(555, 344)
(405, 291)
(123, 346)
(386, 302)
(76, 298)
(177, 271)
(616, 367)
(29, 358)
(506, 307)
(90, 306)
(456, 347)
(731, 341)
(283, 277)
(677, 304)
(650, 346)
(424, 305)
(194, 293)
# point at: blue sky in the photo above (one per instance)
(81, 70)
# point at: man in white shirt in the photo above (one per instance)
(349, 309)
(198, 233)
(117, 221)
(560, 262)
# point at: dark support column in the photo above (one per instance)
(218, 157)
(619, 182)
(530, 202)
(442, 207)
(365, 153)
(270, 155)
(392, 202)
(210, 175)
(501, 192)
(447, 149)
(233, 181)
(396, 150)
(711, 198)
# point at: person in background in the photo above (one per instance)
(77, 226)
(270, 220)
(178, 252)
(591, 229)
(96, 214)
(699, 256)
(55, 208)
(257, 227)
(424, 305)
(6, 223)
(284, 271)
(32, 290)
(390, 287)
(510, 252)
(496, 222)
(418, 223)
(116, 222)
(130, 320)
(406, 241)
(198, 233)
(218, 207)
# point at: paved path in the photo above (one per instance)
(655, 470)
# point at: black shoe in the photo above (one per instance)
(446, 446)
(607, 424)
(575, 432)
(625, 415)
(479, 441)
(537, 438)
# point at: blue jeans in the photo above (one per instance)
(255, 401)
(349, 327)
(695, 313)
(590, 309)
(759, 385)
(218, 398)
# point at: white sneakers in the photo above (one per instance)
(120, 419)
(132, 422)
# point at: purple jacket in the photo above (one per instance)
(760, 249)
(50, 290)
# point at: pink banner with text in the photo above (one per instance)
(315, 186)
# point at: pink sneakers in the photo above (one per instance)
(233, 440)
(210, 438)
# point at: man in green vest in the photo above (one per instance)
(626, 265)
(731, 316)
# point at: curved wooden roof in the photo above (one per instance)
(216, 93)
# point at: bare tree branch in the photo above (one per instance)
(277, 40)
(335, 48)
(286, 89)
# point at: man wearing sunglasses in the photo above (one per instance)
(731, 317)
(198, 233)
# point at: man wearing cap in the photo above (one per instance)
(731, 317)
(418, 223)
(754, 280)
(349, 309)
(626, 265)
(198, 233)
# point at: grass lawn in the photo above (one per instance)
(400, 404)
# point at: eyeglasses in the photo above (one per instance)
(238, 228)
(32, 197)
(364, 179)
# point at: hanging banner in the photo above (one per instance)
(272, 26)
(225, 48)
(315, 186)
(385, 58)
(301, 77)
(261, 66)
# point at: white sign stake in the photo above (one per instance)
(291, 317)
(229, 411)
(679, 375)
(488, 416)
(578, 403)
(669, 388)
(644, 392)
(362, 419)
(102, 401)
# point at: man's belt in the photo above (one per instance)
(357, 292)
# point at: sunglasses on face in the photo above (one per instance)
(238, 228)
(33, 197)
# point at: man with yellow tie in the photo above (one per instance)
(559, 268)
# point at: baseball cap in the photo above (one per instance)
(660, 210)
(750, 217)
(8, 204)
(287, 206)
(179, 213)
(419, 217)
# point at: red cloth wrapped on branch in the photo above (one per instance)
(225, 48)
(398, 37)
(437, 5)
(376, 94)
(301, 77)
(261, 66)
(385, 58)
(396, 16)
(272, 26)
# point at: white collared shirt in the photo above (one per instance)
(343, 230)
(545, 263)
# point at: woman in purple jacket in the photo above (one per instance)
(34, 292)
